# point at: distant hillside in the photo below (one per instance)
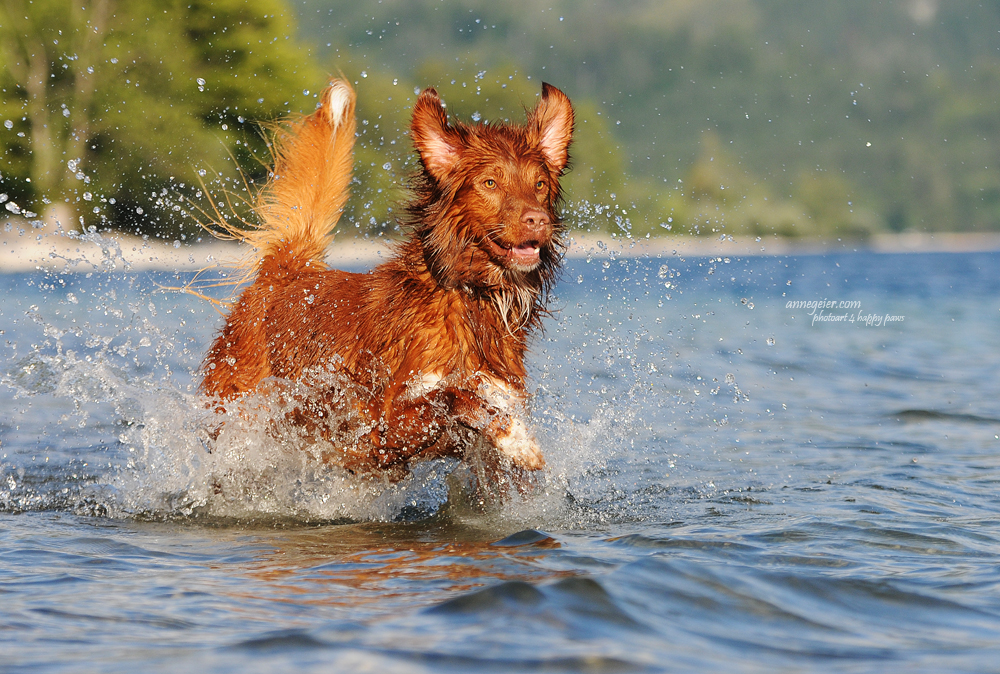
(729, 116)
(831, 119)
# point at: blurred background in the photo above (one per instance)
(742, 117)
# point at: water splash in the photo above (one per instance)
(166, 459)
(106, 365)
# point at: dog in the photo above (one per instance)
(432, 341)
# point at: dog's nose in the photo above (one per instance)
(536, 221)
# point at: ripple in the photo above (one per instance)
(527, 537)
(918, 415)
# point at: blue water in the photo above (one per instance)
(731, 486)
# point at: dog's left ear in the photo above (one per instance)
(436, 142)
(552, 124)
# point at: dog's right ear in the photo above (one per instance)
(434, 139)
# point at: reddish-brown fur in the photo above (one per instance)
(435, 337)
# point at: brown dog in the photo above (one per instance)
(433, 340)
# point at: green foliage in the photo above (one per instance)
(835, 118)
(119, 101)
(704, 116)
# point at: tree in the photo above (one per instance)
(108, 106)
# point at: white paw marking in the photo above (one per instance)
(499, 394)
(424, 383)
(517, 444)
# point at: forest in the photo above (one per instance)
(705, 117)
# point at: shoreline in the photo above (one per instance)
(746, 246)
(24, 248)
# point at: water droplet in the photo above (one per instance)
(177, 244)
(87, 196)
(476, 116)
(9, 124)
(200, 81)
(387, 166)
(305, 92)
(770, 341)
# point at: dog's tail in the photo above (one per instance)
(298, 209)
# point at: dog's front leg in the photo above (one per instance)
(428, 422)
(497, 411)
(408, 427)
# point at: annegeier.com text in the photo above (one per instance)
(842, 311)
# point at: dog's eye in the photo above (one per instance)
(540, 185)
(490, 183)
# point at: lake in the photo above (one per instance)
(766, 463)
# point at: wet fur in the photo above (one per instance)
(433, 340)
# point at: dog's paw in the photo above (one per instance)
(516, 443)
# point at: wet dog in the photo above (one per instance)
(431, 342)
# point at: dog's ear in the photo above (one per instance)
(436, 142)
(552, 124)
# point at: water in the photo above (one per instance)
(731, 486)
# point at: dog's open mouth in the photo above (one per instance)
(525, 255)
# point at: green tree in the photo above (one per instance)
(108, 106)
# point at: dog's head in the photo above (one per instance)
(486, 207)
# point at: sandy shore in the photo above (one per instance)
(23, 248)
